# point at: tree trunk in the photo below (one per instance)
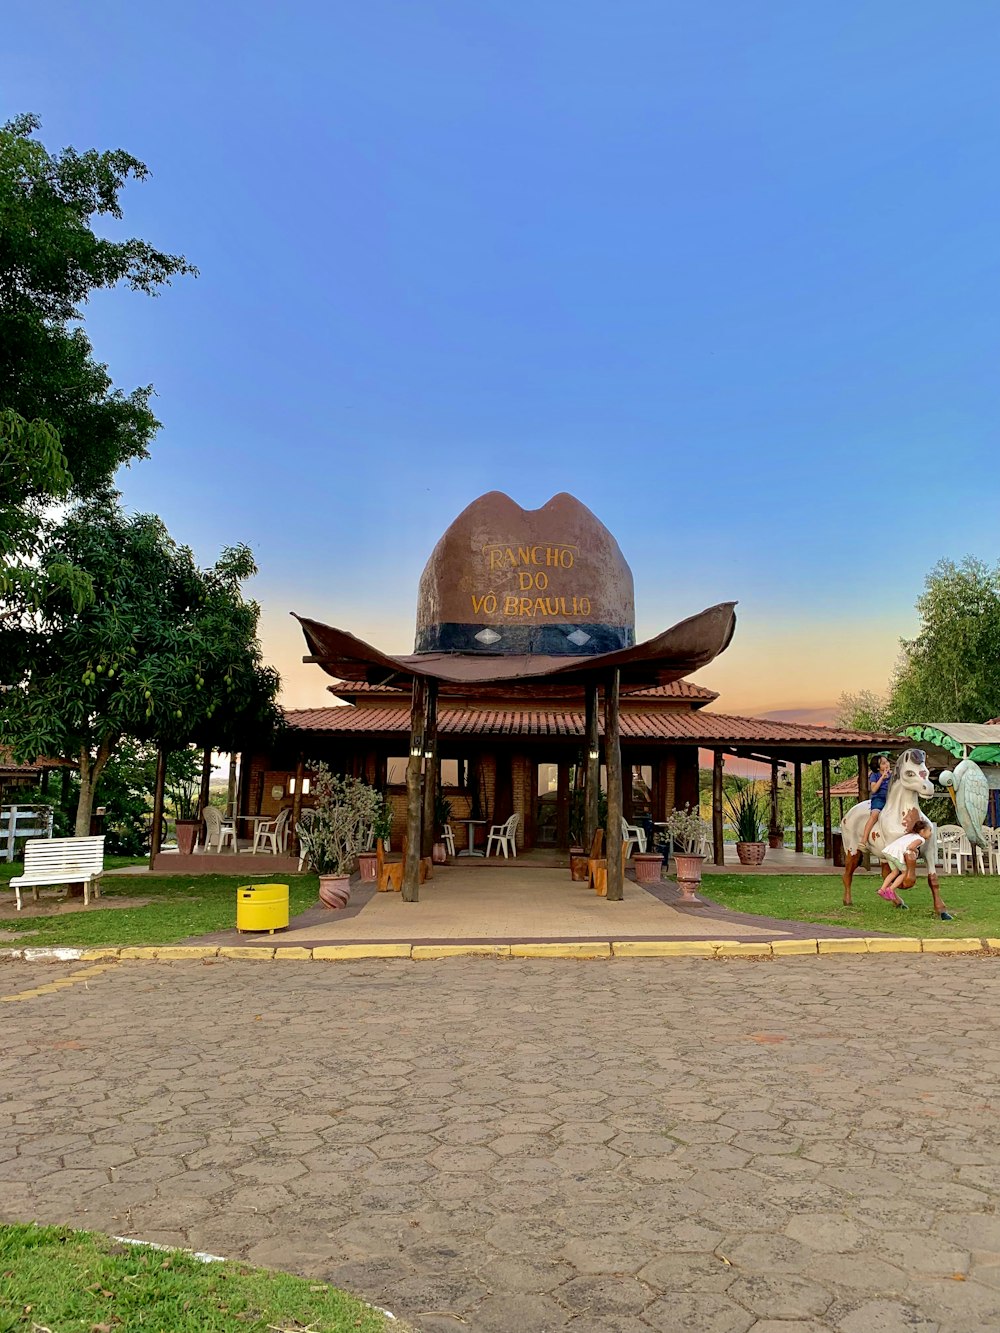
(206, 779)
(156, 833)
(827, 816)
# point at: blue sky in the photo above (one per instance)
(727, 273)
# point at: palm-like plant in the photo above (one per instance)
(746, 811)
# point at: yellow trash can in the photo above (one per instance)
(262, 907)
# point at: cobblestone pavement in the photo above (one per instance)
(520, 1146)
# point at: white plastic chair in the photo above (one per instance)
(993, 838)
(632, 835)
(505, 836)
(965, 850)
(218, 830)
(949, 844)
(448, 838)
(272, 831)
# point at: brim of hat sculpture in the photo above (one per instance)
(512, 598)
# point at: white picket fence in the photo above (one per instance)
(22, 821)
(812, 836)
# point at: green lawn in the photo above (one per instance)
(75, 1282)
(181, 906)
(975, 902)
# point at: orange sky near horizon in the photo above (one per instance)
(770, 666)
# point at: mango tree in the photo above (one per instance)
(166, 651)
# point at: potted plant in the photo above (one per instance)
(187, 824)
(442, 816)
(746, 813)
(345, 810)
(687, 832)
(381, 827)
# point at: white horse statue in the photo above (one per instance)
(910, 780)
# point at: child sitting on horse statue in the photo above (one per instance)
(895, 854)
(878, 785)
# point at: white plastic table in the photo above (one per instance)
(470, 825)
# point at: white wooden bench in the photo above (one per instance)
(61, 861)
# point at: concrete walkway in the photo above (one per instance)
(520, 903)
(500, 1147)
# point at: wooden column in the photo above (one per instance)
(231, 792)
(206, 780)
(64, 793)
(156, 833)
(827, 818)
(414, 809)
(718, 836)
(592, 754)
(775, 825)
(45, 782)
(798, 808)
(562, 807)
(613, 760)
(863, 793)
(300, 772)
(430, 767)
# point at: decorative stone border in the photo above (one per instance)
(579, 949)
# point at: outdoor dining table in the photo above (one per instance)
(255, 820)
(471, 833)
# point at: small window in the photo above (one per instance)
(395, 772)
(449, 772)
(305, 786)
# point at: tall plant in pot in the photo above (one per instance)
(687, 832)
(346, 809)
(381, 827)
(746, 811)
(184, 799)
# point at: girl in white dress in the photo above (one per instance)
(895, 854)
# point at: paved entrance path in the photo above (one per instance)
(495, 1145)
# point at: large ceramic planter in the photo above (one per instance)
(688, 867)
(334, 890)
(368, 866)
(187, 835)
(439, 854)
(578, 865)
(648, 867)
(776, 841)
(751, 853)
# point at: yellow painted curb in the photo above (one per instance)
(564, 949)
(952, 946)
(992, 944)
(426, 952)
(245, 951)
(794, 948)
(96, 955)
(292, 952)
(178, 952)
(876, 945)
(730, 949)
(843, 946)
(347, 952)
(664, 948)
(137, 951)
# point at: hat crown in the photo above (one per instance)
(510, 581)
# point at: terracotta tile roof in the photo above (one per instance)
(678, 689)
(9, 767)
(692, 728)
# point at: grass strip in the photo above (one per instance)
(974, 900)
(180, 908)
(68, 1281)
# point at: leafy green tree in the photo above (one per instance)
(64, 427)
(166, 652)
(951, 671)
(865, 711)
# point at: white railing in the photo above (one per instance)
(22, 821)
(812, 836)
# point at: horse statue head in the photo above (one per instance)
(911, 773)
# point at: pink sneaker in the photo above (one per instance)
(888, 894)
